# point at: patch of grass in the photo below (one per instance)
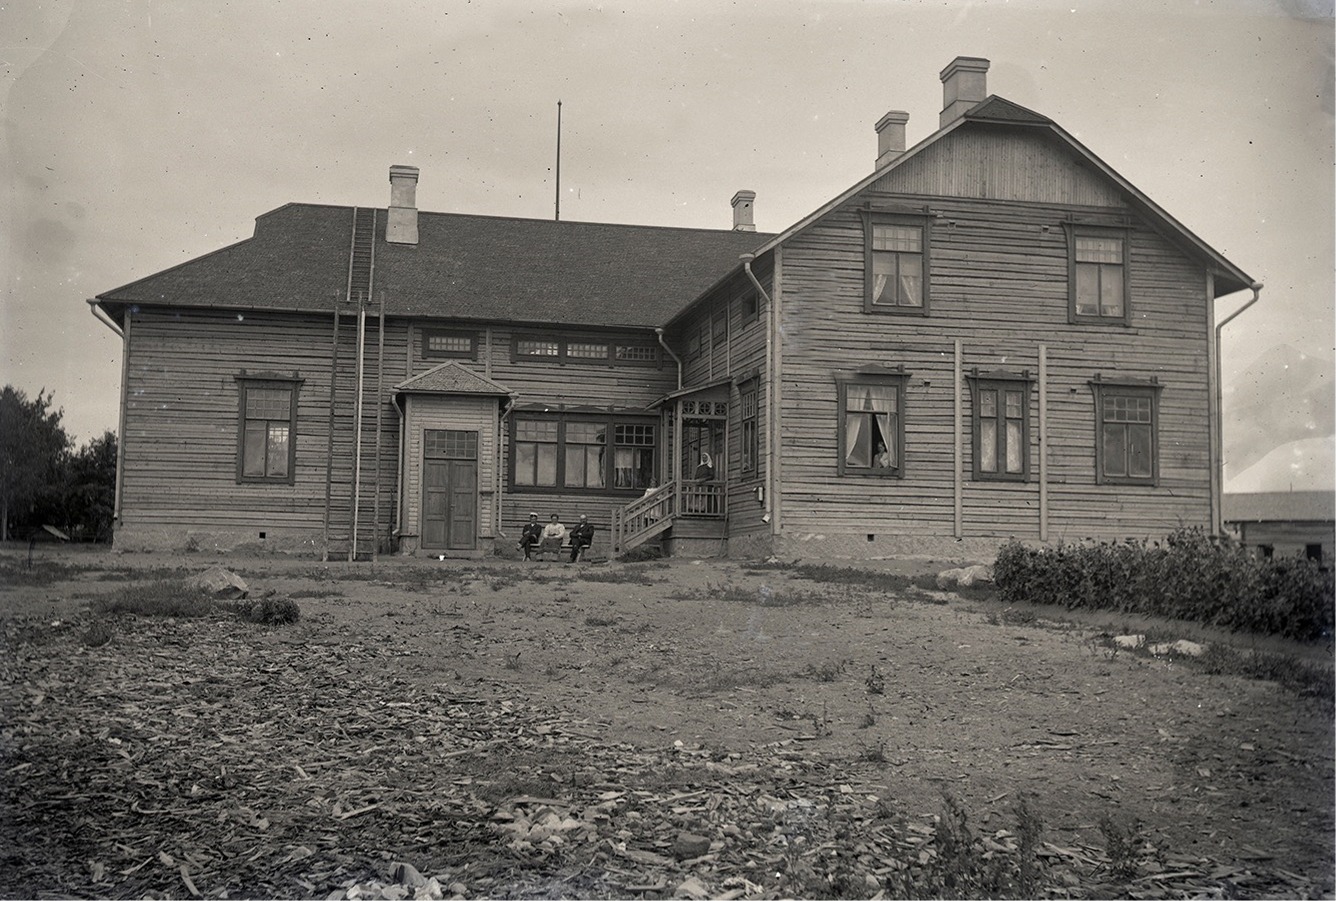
(875, 682)
(272, 611)
(1011, 616)
(641, 554)
(1307, 677)
(43, 572)
(830, 671)
(513, 663)
(315, 593)
(635, 574)
(873, 752)
(764, 596)
(170, 597)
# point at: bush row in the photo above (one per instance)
(1188, 576)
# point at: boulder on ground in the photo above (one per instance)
(965, 577)
(221, 583)
(1182, 646)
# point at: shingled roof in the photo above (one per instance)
(464, 267)
(450, 378)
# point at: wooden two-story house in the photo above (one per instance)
(992, 335)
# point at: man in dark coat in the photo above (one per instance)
(531, 536)
(582, 536)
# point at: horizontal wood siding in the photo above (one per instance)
(999, 286)
(467, 414)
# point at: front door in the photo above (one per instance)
(449, 490)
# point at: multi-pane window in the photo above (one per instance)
(1001, 429)
(536, 443)
(871, 428)
(440, 344)
(587, 350)
(583, 453)
(750, 306)
(536, 347)
(1098, 275)
(585, 450)
(747, 407)
(1126, 439)
(450, 444)
(633, 455)
(636, 353)
(896, 262)
(563, 349)
(268, 421)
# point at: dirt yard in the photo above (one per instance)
(674, 728)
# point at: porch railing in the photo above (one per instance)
(653, 514)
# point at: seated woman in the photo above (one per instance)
(554, 533)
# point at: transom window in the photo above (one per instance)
(896, 264)
(1001, 428)
(265, 445)
(582, 453)
(440, 344)
(450, 444)
(1126, 440)
(1098, 276)
(871, 428)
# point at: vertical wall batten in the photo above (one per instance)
(1043, 443)
(958, 461)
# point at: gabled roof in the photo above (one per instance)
(995, 111)
(481, 268)
(451, 378)
(1280, 506)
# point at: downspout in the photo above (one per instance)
(658, 333)
(1217, 428)
(102, 317)
(772, 388)
(397, 525)
(500, 479)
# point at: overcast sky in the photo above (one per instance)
(138, 135)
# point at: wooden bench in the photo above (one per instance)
(562, 551)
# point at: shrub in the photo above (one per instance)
(274, 611)
(1189, 576)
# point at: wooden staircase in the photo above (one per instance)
(659, 511)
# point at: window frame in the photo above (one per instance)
(246, 382)
(563, 342)
(749, 444)
(609, 422)
(1082, 230)
(1001, 382)
(897, 379)
(1103, 389)
(429, 354)
(872, 218)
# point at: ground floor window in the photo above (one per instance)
(1001, 427)
(1126, 432)
(582, 453)
(871, 430)
(750, 439)
(266, 451)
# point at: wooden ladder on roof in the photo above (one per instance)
(353, 493)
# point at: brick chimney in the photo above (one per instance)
(742, 211)
(891, 136)
(964, 83)
(402, 225)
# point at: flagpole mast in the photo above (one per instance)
(558, 201)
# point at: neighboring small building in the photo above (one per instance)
(1284, 523)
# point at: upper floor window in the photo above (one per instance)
(442, 344)
(719, 327)
(895, 264)
(871, 426)
(1001, 433)
(1097, 276)
(579, 349)
(266, 449)
(1126, 432)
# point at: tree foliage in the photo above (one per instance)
(43, 480)
(33, 448)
